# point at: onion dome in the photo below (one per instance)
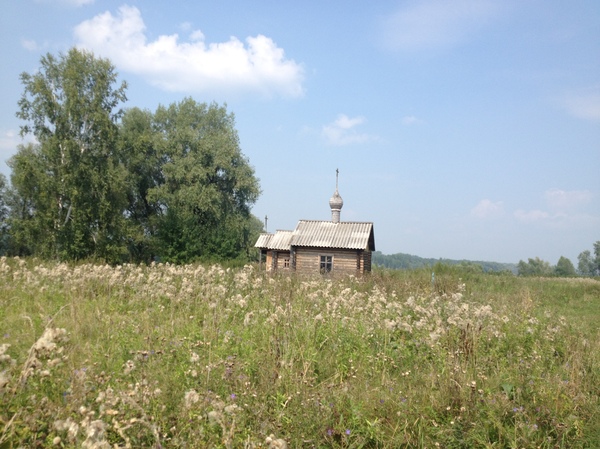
(336, 204)
(336, 201)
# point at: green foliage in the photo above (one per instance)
(564, 267)
(141, 152)
(585, 265)
(173, 185)
(407, 262)
(201, 356)
(588, 265)
(4, 211)
(70, 186)
(534, 267)
(208, 187)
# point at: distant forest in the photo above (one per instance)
(408, 261)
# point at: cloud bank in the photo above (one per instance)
(258, 65)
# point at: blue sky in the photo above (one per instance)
(463, 129)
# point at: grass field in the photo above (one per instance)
(198, 356)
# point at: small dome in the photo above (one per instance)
(336, 201)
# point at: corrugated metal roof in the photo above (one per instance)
(263, 241)
(280, 241)
(327, 234)
(321, 234)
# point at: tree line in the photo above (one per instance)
(409, 262)
(123, 184)
(587, 265)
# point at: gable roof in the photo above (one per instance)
(279, 241)
(322, 234)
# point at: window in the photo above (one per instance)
(326, 264)
(286, 262)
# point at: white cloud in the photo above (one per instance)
(436, 23)
(562, 200)
(342, 131)
(584, 104)
(256, 65)
(487, 209)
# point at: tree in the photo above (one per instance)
(4, 211)
(597, 258)
(534, 267)
(141, 149)
(71, 186)
(208, 187)
(585, 265)
(564, 267)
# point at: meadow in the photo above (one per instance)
(196, 356)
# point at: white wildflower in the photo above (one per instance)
(95, 436)
(47, 343)
(231, 409)
(128, 367)
(275, 443)
(4, 357)
(214, 417)
(191, 397)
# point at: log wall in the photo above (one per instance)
(308, 260)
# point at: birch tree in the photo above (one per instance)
(75, 183)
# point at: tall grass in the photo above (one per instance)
(193, 356)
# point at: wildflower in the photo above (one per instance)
(214, 417)
(129, 366)
(46, 344)
(3, 356)
(95, 436)
(231, 409)
(348, 431)
(275, 443)
(195, 358)
(191, 397)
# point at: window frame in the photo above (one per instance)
(325, 263)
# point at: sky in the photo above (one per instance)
(463, 129)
